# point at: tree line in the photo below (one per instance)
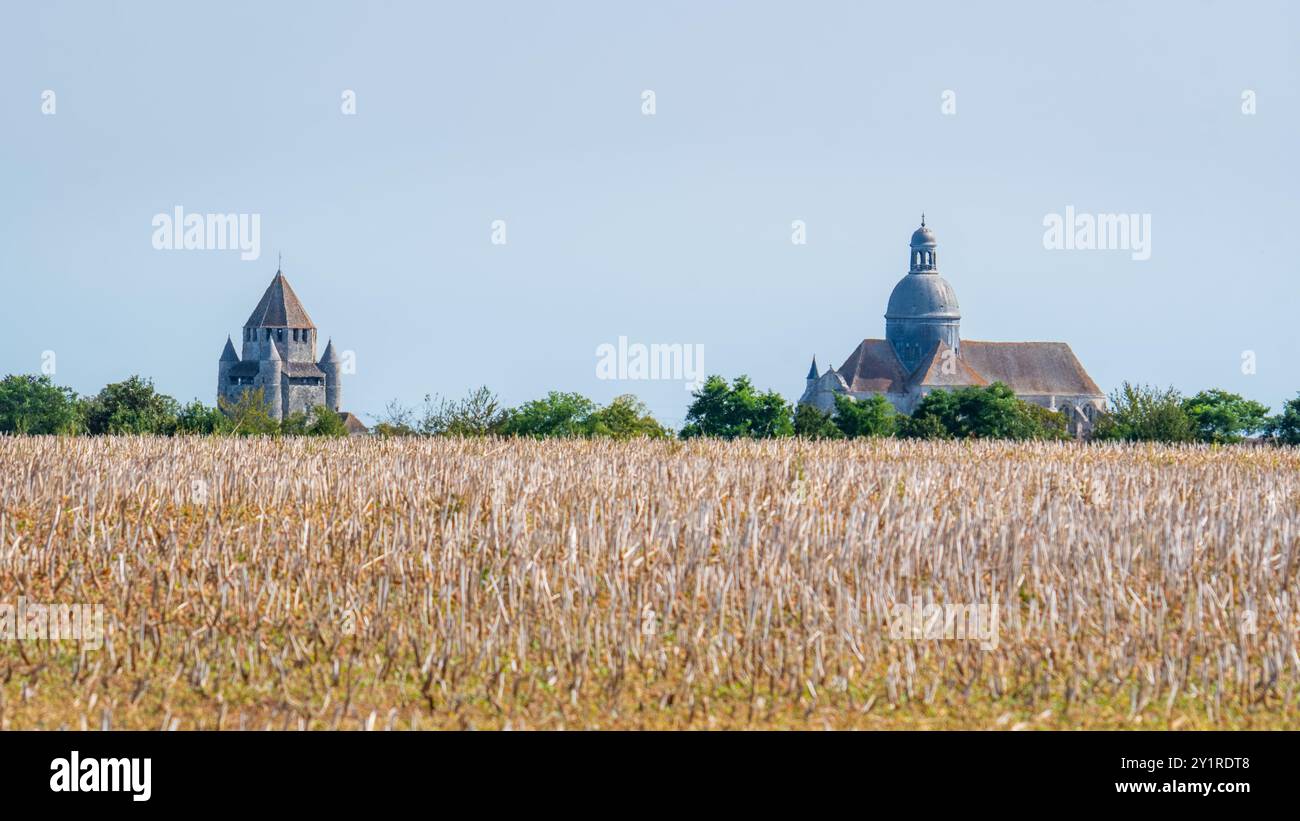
(1136, 413)
(35, 405)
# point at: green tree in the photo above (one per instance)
(559, 414)
(324, 421)
(737, 411)
(199, 419)
(626, 417)
(934, 417)
(811, 422)
(1050, 424)
(872, 416)
(991, 412)
(132, 406)
(1285, 426)
(478, 414)
(35, 405)
(1145, 414)
(1221, 417)
(249, 415)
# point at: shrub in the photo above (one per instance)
(35, 405)
(1285, 426)
(811, 422)
(626, 417)
(872, 416)
(559, 414)
(249, 415)
(1145, 414)
(200, 419)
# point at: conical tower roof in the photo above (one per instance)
(279, 308)
(812, 370)
(330, 354)
(274, 355)
(228, 353)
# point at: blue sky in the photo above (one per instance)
(671, 228)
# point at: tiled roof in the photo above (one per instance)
(942, 368)
(302, 369)
(279, 308)
(1028, 368)
(873, 366)
(1034, 368)
(353, 424)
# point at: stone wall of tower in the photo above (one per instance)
(223, 378)
(269, 379)
(333, 384)
(303, 398)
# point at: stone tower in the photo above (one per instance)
(332, 367)
(923, 307)
(279, 357)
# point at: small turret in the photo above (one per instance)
(229, 359)
(812, 374)
(332, 367)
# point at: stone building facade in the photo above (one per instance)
(279, 357)
(923, 351)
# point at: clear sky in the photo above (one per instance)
(671, 228)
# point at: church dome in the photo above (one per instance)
(923, 237)
(923, 296)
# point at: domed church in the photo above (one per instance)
(923, 351)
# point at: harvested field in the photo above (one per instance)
(444, 583)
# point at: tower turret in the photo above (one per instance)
(923, 308)
(229, 359)
(332, 367)
(812, 374)
(269, 377)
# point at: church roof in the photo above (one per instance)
(812, 370)
(302, 369)
(247, 368)
(941, 368)
(279, 308)
(873, 366)
(1028, 368)
(353, 424)
(1036, 368)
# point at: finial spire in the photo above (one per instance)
(279, 263)
(922, 219)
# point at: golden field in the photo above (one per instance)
(446, 583)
